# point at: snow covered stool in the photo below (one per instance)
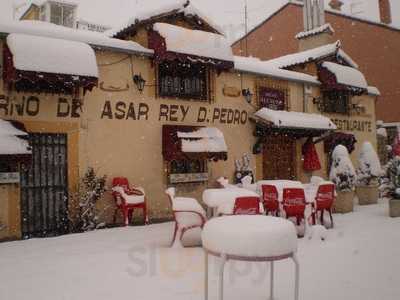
(250, 238)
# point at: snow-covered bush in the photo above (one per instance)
(369, 168)
(342, 170)
(91, 189)
(393, 173)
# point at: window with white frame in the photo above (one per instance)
(58, 13)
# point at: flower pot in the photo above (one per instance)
(344, 202)
(394, 208)
(367, 194)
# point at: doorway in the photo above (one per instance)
(44, 187)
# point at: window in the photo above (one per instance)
(183, 80)
(60, 14)
(188, 171)
(336, 102)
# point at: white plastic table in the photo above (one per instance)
(215, 198)
(254, 238)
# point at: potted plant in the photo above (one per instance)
(344, 176)
(393, 173)
(368, 173)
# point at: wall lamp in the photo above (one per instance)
(140, 82)
(248, 95)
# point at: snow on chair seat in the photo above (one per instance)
(249, 238)
(127, 199)
(188, 214)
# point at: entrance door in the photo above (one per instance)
(44, 187)
(279, 158)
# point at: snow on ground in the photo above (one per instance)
(359, 260)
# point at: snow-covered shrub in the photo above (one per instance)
(369, 168)
(393, 173)
(91, 189)
(342, 170)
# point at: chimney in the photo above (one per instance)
(336, 5)
(385, 11)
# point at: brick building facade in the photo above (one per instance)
(375, 46)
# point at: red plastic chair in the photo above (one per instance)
(128, 199)
(247, 206)
(323, 202)
(188, 213)
(294, 203)
(270, 199)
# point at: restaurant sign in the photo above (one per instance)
(353, 125)
(188, 178)
(272, 99)
(6, 178)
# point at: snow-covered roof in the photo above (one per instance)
(206, 139)
(194, 42)
(256, 66)
(312, 55)
(94, 39)
(10, 143)
(180, 6)
(346, 75)
(48, 55)
(291, 119)
(324, 28)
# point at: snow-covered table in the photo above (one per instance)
(223, 200)
(250, 238)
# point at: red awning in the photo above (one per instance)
(172, 144)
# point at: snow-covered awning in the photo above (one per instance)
(185, 142)
(12, 144)
(203, 140)
(307, 124)
(36, 63)
(339, 77)
(171, 42)
(321, 29)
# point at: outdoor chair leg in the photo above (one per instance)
(221, 277)
(330, 215)
(175, 232)
(297, 279)
(271, 284)
(205, 275)
(322, 217)
(126, 217)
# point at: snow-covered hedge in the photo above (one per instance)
(369, 168)
(342, 170)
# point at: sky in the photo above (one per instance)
(229, 17)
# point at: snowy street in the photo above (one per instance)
(359, 260)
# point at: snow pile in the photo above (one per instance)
(347, 75)
(342, 172)
(250, 236)
(221, 197)
(42, 54)
(324, 28)
(257, 66)
(312, 55)
(295, 119)
(194, 42)
(10, 143)
(369, 165)
(205, 139)
(50, 30)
